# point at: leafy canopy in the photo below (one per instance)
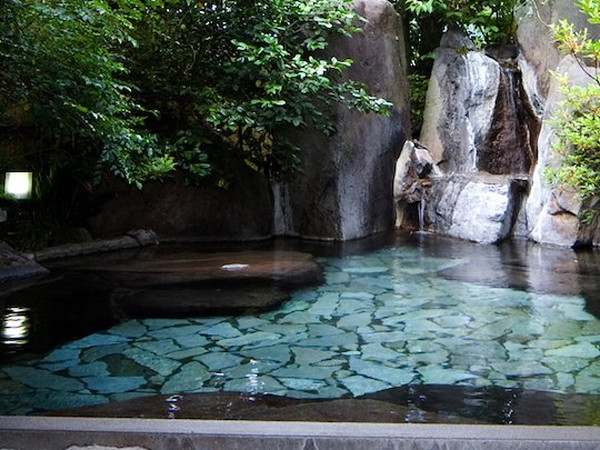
(140, 87)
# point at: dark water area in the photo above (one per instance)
(70, 312)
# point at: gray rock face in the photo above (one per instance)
(553, 213)
(480, 131)
(479, 208)
(345, 188)
(14, 265)
(460, 104)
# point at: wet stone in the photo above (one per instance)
(61, 354)
(354, 321)
(581, 350)
(43, 379)
(190, 378)
(276, 353)
(97, 368)
(162, 347)
(219, 361)
(359, 385)
(307, 356)
(97, 340)
(259, 336)
(110, 384)
(160, 365)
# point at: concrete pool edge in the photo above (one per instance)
(31, 433)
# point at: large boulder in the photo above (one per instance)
(13, 265)
(460, 104)
(553, 213)
(479, 207)
(345, 190)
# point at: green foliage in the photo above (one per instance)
(237, 74)
(577, 121)
(485, 22)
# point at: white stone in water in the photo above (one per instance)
(162, 366)
(234, 266)
(306, 356)
(377, 352)
(191, 377)
(219, 360)
(261, 337)
(358, 385)
(581, 350)
(351, 322)
(302, 384)
(443, 375)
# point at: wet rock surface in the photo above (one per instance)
(286, 268)
(16, 266)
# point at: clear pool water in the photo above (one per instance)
(416, 311)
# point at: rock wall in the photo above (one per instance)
(344, 189)
(487, 114)
(553, 215)
(481, 133)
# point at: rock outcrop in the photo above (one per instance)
(344, 191)
(15, 266)
(344, 188)
(481, 132)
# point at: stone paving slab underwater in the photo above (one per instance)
(380, 321)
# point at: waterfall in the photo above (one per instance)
(422, 205)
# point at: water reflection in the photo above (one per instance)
(16, 327)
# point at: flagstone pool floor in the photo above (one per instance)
(379, 321)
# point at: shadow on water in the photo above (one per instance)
(520, 265)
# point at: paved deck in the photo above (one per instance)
(33, 433)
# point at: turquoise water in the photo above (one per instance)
(383, 319)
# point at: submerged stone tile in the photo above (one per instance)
(112, 384)
(306, 356)
(187, 353)
(162, 366)
(261, 337)
(565, 364)
(96, 340)
(580, 350)
(275, 353)
(353, 321)
(161, 347)
(302, 384)
(95, 353)
(359, 385)
(318, 330)
(98, 369)
(61, 354)
(191, 341)
(43, 379)
(393, 376)
(255, 385)
(246, 322)
(219, 361)
(300, 318)
(377, 352)
(521, 369)
(443, 375)
(309, 372)
(189, 378)
(129, 329)
(347, 340)
(222, 330)
(254, 367)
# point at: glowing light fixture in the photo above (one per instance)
(18, 184)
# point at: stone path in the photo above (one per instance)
(379, 321)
